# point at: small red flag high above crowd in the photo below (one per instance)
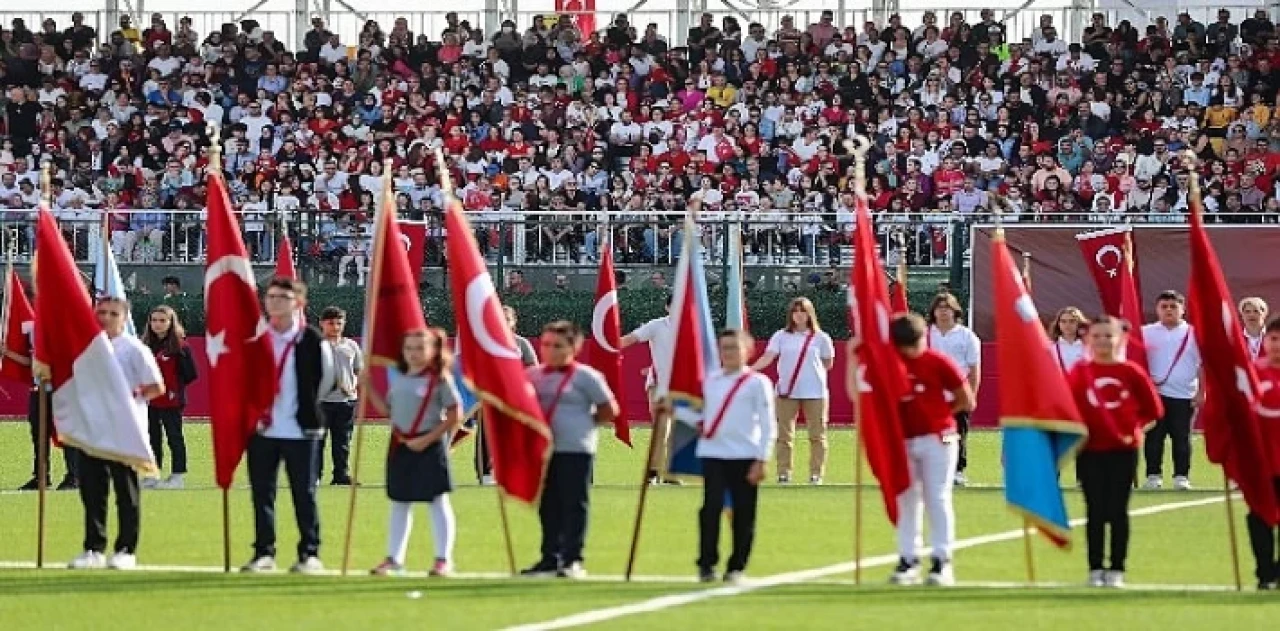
(604, 347)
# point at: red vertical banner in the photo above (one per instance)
(413, 237)
(583, 13)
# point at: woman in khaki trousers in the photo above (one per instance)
(804, 354)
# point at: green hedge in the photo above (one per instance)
(766, 309)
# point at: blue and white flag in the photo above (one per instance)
(107, 283)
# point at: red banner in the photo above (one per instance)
(413, 235)
(1106, 254)
(583, 13)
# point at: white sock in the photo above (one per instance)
(401, 524)
(443, 527)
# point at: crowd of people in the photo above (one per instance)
(966, 119)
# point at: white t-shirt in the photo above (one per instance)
(747, 428)
(960, 344)
(660, 333)
(811, 381)
(1176, 380)
(139, 367)
(1067, 354)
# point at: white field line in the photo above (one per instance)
(662, 603)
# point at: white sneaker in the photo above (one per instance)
(573, 571)
(88, 560)
(259, 564)
(941, 574)
(907, 573)
(150, 483)
(486, 480)
(309, 565)
(815, 480)
(735, 577)
(123, 561)
(1115, 579)
(1153, 482)
(784, 479)
(961, 479)
(173, 482)
(1181, 483)
(1097, 578)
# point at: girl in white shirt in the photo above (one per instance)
(1068, 346)
(804, 354)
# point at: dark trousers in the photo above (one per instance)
(70, 455)
(95, 475)
(166, 423)
(1176, 424)
(962, 425)
(563, 511)
(719, 477)
(1106, 477)
(340, 417)
(1262, 538)
(484, 464)
(299, 457)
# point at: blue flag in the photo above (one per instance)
(107, 283)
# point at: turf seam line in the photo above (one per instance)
(662, 603)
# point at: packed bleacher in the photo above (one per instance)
(555, 137)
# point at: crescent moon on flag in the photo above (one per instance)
(603, 306)
(234, 265)
(1264, 411)
(1102, 253)
(479, 296)
(1104, 382)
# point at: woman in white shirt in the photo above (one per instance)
(804, 354)
(1068, 345)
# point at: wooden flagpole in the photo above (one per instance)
(654, 439)
(446, 186)
(362, 401)
(1027, 550)
(215, 164)
(858, 147)
(42, 406)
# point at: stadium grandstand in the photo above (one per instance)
(572, 129)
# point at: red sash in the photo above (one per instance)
(1057, 348)
(714, 427)
(1176, 357)
(400, 437)
(550, 410)
(284, 359)
(795, 375)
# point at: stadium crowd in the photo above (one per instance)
(966, 119)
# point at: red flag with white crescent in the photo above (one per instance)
(413, 237)
(519, 437)
(603, 349)
(1110, 256)
(242, 361)
(16, 325)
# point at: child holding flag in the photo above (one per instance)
(938, 392)
(1118, 402)
(1261, 536)
(422, 403)
(575, 400)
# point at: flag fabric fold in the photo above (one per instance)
(518, 436)
(286, 269)
(242, 361)
(107, 281)
(93, 402)
(881, 377)
(16, 324)
(1113, 264)
(604, 347)
(392, 297)
(1232, 433)
(898, 293)
(693, 356)
(1041, 426)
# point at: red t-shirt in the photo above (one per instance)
(926, 409)
(1117, 402)
(1269, 407)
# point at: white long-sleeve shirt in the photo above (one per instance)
(747, 428)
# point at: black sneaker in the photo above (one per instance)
(653, 477)
(543, 569)
(340, 482)
(68, 484)
(706, 575)
(907, 573)
(32, 485)
(672, 482)
(1266, 586)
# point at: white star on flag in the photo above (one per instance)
(216, 347)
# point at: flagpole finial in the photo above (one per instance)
(446, 183)
(46, 182)
(1194, 201)
(215, 147)
(858, 146)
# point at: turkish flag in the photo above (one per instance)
(1042, 427)
(413, 237)
(519, 437)
(603, 349)
(1233, 436)
(881, 378)
(1110, 256)
(284, 259)
(583, 12)
(392, 298)
(242, 362)
(15, 325)
(898, 293)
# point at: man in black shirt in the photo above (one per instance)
(20, 119)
